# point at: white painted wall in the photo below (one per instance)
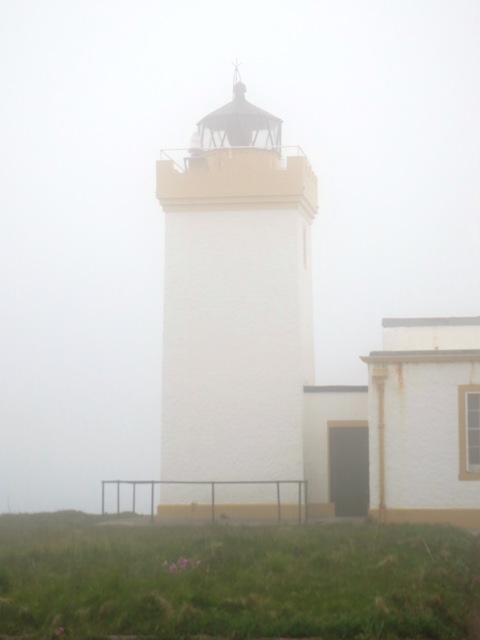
(432, 337)
(421, 436)
(238, 348)
(320, 407)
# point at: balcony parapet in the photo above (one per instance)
(235, 178)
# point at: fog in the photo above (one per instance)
(383, 97)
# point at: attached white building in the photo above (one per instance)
(336, 450)
(424, 421)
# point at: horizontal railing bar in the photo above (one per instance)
(203, 481)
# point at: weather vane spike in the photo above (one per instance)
(236, 73)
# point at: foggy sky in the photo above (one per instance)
(382, 95)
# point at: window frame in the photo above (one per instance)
(465, 473)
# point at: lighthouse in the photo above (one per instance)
(238, 318)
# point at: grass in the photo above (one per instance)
(61, 575)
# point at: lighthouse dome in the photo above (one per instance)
(240, 124)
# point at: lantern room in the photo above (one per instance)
(240, 124)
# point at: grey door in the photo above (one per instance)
(349, 486)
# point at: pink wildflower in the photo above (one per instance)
(181, 565)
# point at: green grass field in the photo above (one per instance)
(63, 575)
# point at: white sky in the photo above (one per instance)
(383, 96)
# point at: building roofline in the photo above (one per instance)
(436, 355)
(427, 352)
(431, 322)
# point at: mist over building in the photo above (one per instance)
(242, 416)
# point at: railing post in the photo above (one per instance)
(118, 497)
(134, 488)
(305, 496)
(213, 502)
(152, 501)
(279, 511)
(299, 502)
(103, 497)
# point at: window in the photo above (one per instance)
(469, 431)
(473, 431)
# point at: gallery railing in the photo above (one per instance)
(182, 157)
(302, 484)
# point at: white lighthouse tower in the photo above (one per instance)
(238, 328)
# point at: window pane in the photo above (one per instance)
(473, 410)
(473, 421)
(474, 438)
(473, 402)
(474, 455)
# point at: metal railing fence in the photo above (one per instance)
(277, 483)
